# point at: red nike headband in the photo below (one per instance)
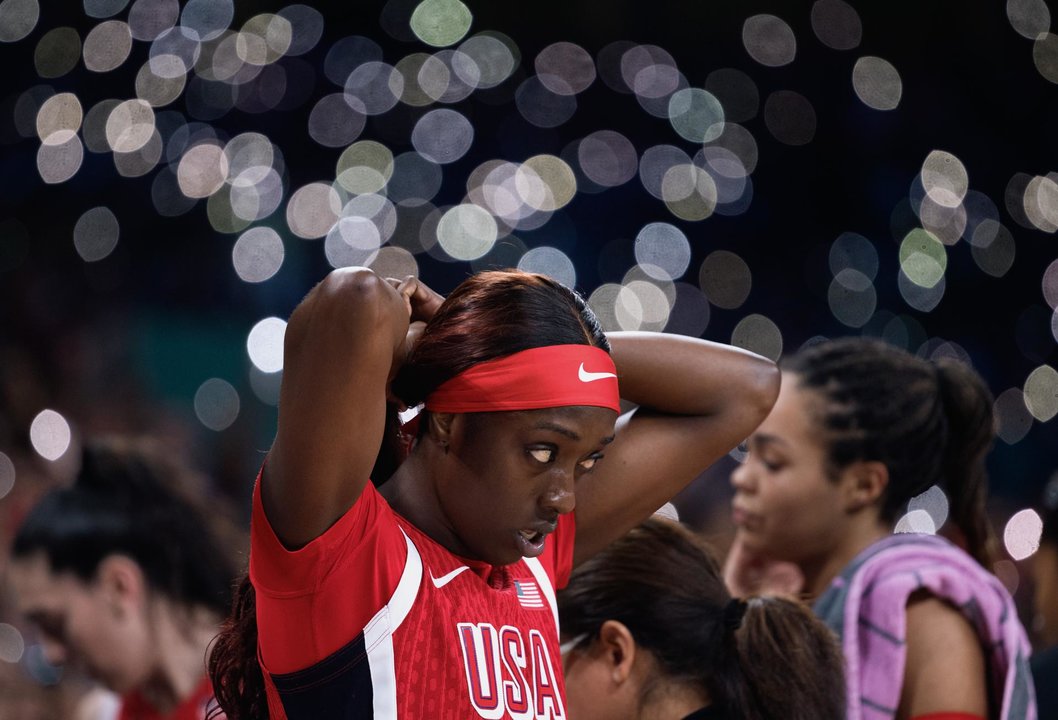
(551, 376)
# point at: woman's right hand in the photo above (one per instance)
(747, 573)
(421, 301)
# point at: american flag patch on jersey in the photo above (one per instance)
(528, 594)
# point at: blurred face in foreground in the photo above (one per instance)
(97, 626)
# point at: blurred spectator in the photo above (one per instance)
(126, 577)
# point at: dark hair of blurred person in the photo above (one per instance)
(860, 428)
(652, 632)
(125, 577)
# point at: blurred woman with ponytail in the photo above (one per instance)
(860, 428)
(651, 632)
(127, 577)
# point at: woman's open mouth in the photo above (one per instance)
(531, 541)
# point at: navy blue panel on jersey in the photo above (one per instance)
(338, 687)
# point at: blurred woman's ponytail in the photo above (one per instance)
(971, 430)
(786, 665)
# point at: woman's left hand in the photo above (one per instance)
(422, 302)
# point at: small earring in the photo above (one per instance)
(444, 445)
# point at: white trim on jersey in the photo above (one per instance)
(545, 586)
(378, 635)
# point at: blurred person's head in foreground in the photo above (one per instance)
(123, 574)
(651, 631)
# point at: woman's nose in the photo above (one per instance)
(742, 478)
(560, 497)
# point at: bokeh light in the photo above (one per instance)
(441, 22)
(934, 502)
(565, 68)
(12, 646)
(769, 40)
(916, 521)
(1041, 393)
(150, 18)
(725, 278)
(1029, 18)
(836, 24)
(944, 178)
(59, 119)
(107, 46)
(216, 404)
(1021, 536)
(852, 298)
(467, 231)
(57, 52)
(57, 163)
(258, 254)
(1041, 203)
(758, 334)
(17, 19)
(923, 258)
(1045, 56)
(264, 344)
(662, 251)
(608, 158)
(7, 475)
(50, 435)
(551, 262)
(877, 83)
(1013, 419)
(96, 234)
(696, 115)
(313, 210)
(442, 136)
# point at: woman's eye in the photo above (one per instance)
(589, 463)
(543, 455)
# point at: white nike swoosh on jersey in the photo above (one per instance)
(587, 377)
(440, 582)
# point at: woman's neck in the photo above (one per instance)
(673, 702)
(819, 573)
(411, 493)
(182, 638)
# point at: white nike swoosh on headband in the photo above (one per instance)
(587, 377)
(440, 582)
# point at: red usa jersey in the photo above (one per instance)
(373, 619)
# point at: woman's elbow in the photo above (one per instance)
(761, 388)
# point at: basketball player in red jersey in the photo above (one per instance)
(433, 596)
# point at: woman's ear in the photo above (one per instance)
(618, 649)
(865, 482)
(123, 583)
(440, 428)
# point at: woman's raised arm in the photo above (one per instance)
(343, 342)
(697, 400)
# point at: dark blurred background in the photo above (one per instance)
(762, 173)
